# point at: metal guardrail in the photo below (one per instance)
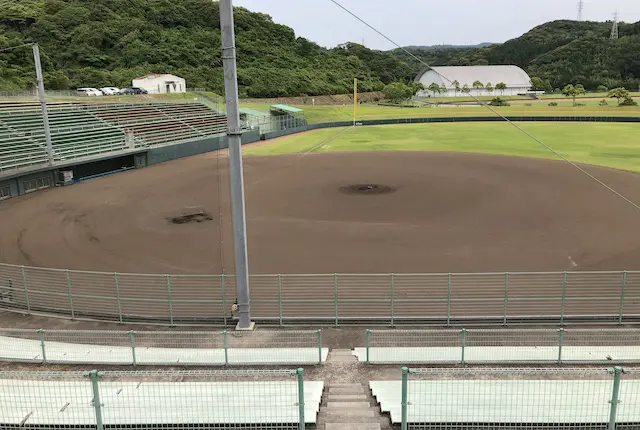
(217, 348)
(390, 299)
(502, 346)
(203, 399)
(585, 398)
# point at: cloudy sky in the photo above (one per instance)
(430, 22)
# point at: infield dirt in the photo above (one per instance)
(445, 212)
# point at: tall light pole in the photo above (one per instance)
(43, 102)
(234, 134)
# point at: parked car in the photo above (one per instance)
(88, 92)
(133, 91)
(110, 91)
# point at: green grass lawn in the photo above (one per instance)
(611, 145)
(319, 114)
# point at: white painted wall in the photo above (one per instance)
(161, 84)
(514, 91)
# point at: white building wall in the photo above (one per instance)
(514, 91)
(513, 88)
(161, 84)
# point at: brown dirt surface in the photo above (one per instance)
(448, 212)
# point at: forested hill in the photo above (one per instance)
(109, 42)
(561, 52)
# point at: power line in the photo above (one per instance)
(15, 47)
(532, 137)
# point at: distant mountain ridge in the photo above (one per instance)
(445, 46)
(102, 43)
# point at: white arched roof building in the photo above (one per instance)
(516, 79)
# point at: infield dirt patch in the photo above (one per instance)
(447, 212)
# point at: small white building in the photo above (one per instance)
(516, 80)
(161, 84)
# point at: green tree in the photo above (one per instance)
(602, 89)
(466, 89)
(478, 85)
(619, 94)
(573, 91)
(489, 87)
(501, 86)
(434, 88)
(443, 89)
(456, 87)
(416, 87)
(397, 92)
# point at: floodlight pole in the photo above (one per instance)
(234, 134)
(43, 102)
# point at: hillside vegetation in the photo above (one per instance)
(109, 42)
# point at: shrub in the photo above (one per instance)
(603, 102)
(528, 104)
(580, 104)
(557, 91)
(602, 89)
(497, 101)
(552, 104)
(628, 101)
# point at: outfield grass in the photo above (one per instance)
(611, 145)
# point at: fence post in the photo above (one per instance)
(391, 296)
(26, 288)
(117, 284)
(97, 404)
(132, 341)
(169, 298)
(615, 397)
(403, 401)
(225, 343)
(506, 297)
(622, 291)
(42, 348)
(463, 343)
(564, 294)
(560, 344)
(335, 298)
(366, 345)
(300, 374)
(69, 294)
(280, 298)
(449, 300)
(223, 286)
(319, 332)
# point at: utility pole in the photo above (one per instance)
(43, 102)
(580, 9)
(234, 136)
(614, 30)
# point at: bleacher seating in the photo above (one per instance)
(18, 151)
(88, 129)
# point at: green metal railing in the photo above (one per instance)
(390, 299)
(260, 399)
(502, 346)
(518, 398)
(210, 348)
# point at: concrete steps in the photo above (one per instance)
(349, 407)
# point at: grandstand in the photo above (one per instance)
(85, 130)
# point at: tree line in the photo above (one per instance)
(110, 42)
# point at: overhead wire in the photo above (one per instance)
(15, 47)
(507, 120)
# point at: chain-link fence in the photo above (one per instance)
(257, 399)
(501, 346)
(516, 398)
(219, 348)
(392, 299)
